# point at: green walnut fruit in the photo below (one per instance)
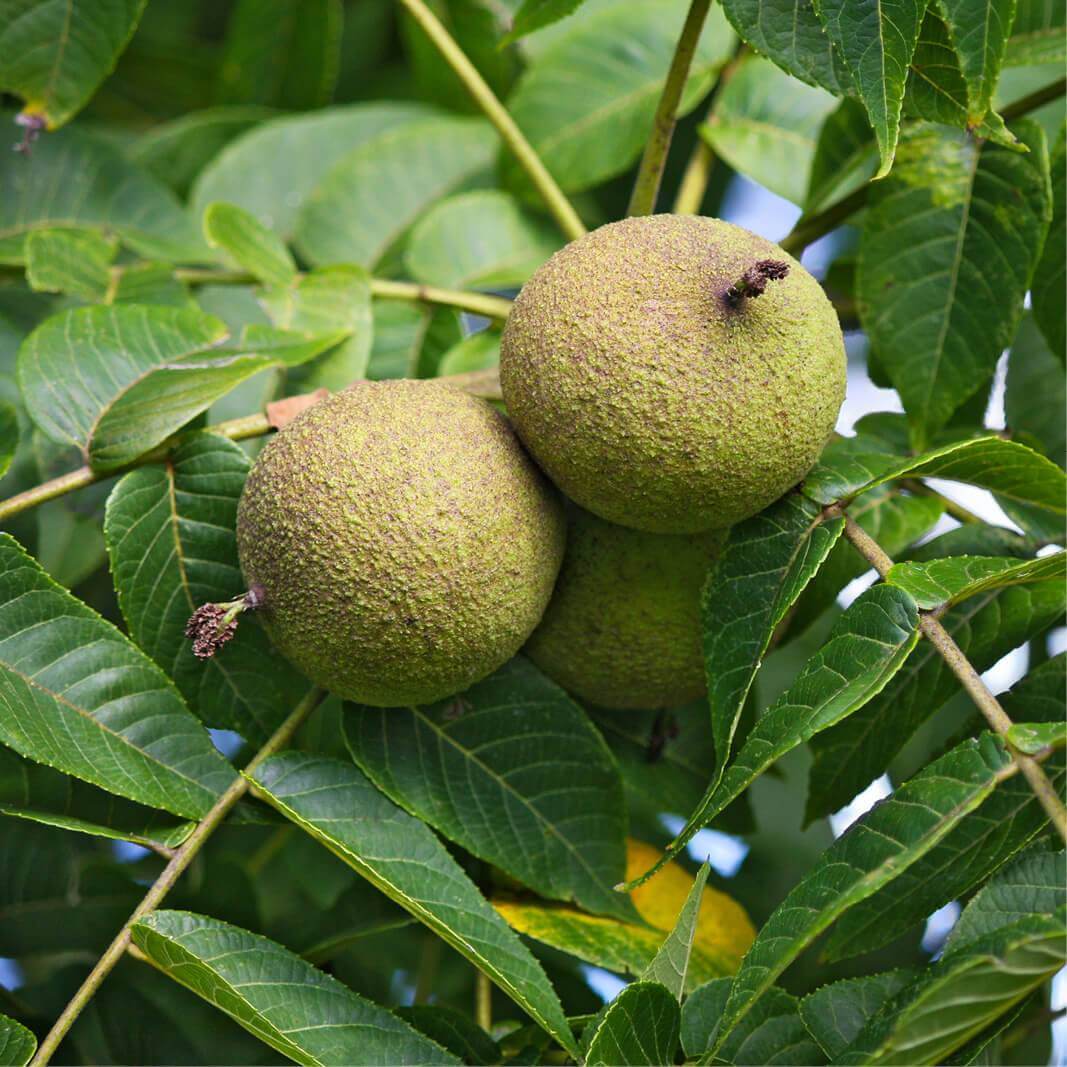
(622, 629)
(401, 541)
(673, 373)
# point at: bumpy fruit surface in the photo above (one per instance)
(622, 629)
(405, 543)
(653, 399)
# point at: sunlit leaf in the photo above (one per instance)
(77, 695)
(1032, 737)
(300, 1011)
(17, 1044)
(670, 965)
(248, 244)
(951, 580)
(54, 54)
(980, 30)
(401, 856)
(70, 261)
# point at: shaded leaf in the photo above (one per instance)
(271, 170)
(836, 1013)
(369, 199)
(281, 52)
(855, 752)
(110, 194)
(874, 850)
(765, 125)
(400, 856)
(303, 1013)
(70, 261)
(481, 239)
(1047, 292)
(39, 794)
(116, 381)
(1031, 887)
(170, 535)
(772, 1033)
(640, 1027)
(949, 581)
(1032, 737)
(17, 1044)
(479, 351)
(77, 695)
(723, 930)
(867, 646)
(849, 466)
(982, 842)
(519, 777)
(965, 991)
(980, 30)
(535, 14)
(1036, 393)
(789, 33)
(248, 243)
(670, 966)
(944, 262)
(325, 301)
(9, 436)
(587, 109)
(1038, 34)
(845, 156)
(454, 1031)
(54, 55)
(876, 41)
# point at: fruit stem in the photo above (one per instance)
(753, 282)
(183, 856)
(556, 202)
(650, 172)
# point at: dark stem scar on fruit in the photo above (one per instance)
(212, 626)
(754, 281)
(664, 729)
(32, 128)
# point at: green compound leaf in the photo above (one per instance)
(587, 109)
(1033, 737)
(641, 1026)
(772, 1033)
(77, 695)
(876, 41)
(288, 1004)
(968, 989)
(852, 465)
(767, 562)
(248, 244)
(519, 777)
(271, 170)
(117, 381)
(17, 1044)
(789, 33)
(849, 756)
(326, 301)
(1036, 391)
(836, 1013)
(371, 197)
(670, 966)
(170, 537)
(1049, 282)
(73, 180)
(1038, 34)
(980, 30)
(482, 239)
(980, 845)
(70, 261)
(944, 263)
(866, 648)
(54, 53)
(1030, 887)
(403, 858)
(39, 794)
(883, 843)
(9, 436)
(949, 581)
(846, 157)
(765, 125)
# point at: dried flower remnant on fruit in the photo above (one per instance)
(212, 626)
(754, 281)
